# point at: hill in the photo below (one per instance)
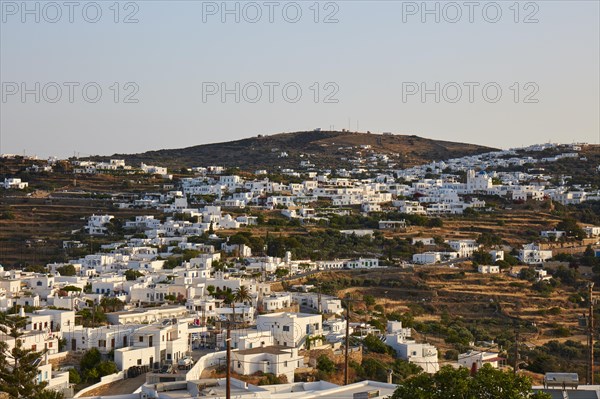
(324, 149)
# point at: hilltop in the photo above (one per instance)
(322, 148)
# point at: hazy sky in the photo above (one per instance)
(493, 73)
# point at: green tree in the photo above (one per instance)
(106, 368)
(241, 294)
(572, 229)
(482, 257)
(132, 275)
(72, 288)
(111, 304)
(374, 344)
(527, 273)
(90, 359)
(325, 364)
(74, 376)
(450, 383)
(281, 272)
(67, 270)
(369, 300)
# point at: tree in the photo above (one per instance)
(572, 229)
(482, 257)
(74, 376)
(325, 364)
(527, 273)
(111, 303)
(281, 272)
(67, 270)
(19, 366)
(71, 288)
(241, 294)
(106, 368)
(132, 275)
(93, 368)
(369, 300)
(374, 344)
(489, 239)
(488, 383)
(90, 359)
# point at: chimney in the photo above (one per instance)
(21, 311)
(390, 374)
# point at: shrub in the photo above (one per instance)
(325, 364)
(74, 376)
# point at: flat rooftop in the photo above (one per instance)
(273, 350)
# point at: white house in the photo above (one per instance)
(290, 329)
(424, 355)
(276, 301)
(150, 315)
(465, 248)
(96, 224)
(154, 344)
(105, 339)
(476, 359)
(532, 254)
(423, 240)
(14, 183)
(392, 224)
(488, 269)
(322, 303)
(278, 360)
(477, 182)
(592, 231)
(361, 263)
(430, 258)
(553, 234)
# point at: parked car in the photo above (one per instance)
(185, 362)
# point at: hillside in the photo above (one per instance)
(323, 149)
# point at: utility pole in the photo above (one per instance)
(590, 376)
(516, 367)
(227, 367)
(347, 342)
(319, 298)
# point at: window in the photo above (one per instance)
(287, 328)
(139, 362)
(285, 364)
(141, 339)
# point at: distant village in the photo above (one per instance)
(171, 320)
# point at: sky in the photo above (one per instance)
(105, 77)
